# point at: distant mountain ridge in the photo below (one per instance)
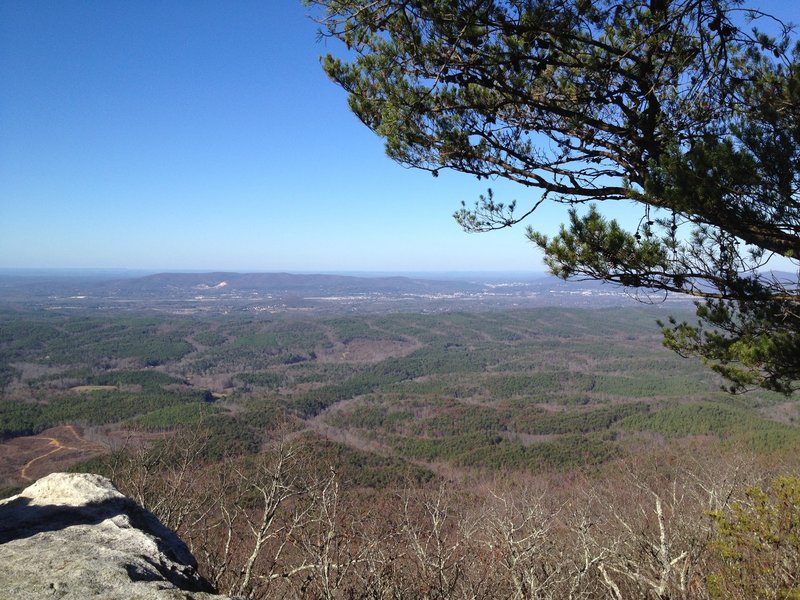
(279, 291)
(289, 283)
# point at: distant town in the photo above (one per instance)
(223, 292)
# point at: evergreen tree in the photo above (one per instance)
(684, 107)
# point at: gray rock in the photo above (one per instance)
(74, 536)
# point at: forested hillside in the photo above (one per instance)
(516, 451)
(533, 390)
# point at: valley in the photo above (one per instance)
(440, 449)
(534, 389)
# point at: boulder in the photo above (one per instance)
(74, 536)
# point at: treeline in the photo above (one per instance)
(148, 380)
(491, 452)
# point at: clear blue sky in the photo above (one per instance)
(204, 135)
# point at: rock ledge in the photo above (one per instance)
(74, 536)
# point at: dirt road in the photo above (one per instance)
(25, 459)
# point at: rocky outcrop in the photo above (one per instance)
(74, 536)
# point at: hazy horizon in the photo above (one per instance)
(91, 271)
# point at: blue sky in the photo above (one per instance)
(204, 135)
